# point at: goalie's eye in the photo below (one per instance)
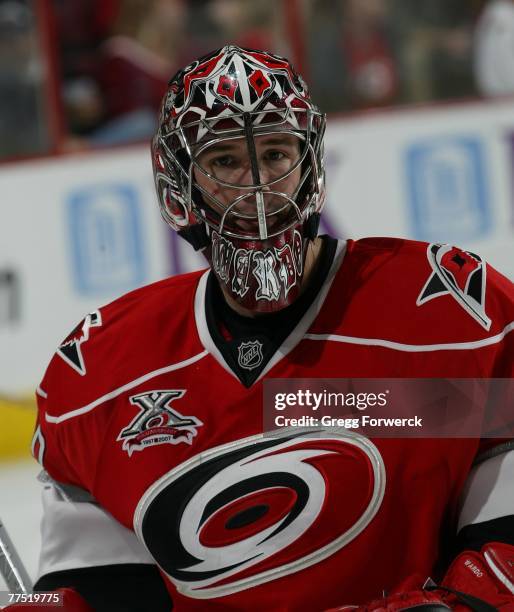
(224, 161)
(274, 156)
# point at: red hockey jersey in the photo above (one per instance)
(139, 407)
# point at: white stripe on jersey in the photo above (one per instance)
(133, 383)
(489, 491)
(415, 348)
(498, 572)
(41, 393)
(38, 438)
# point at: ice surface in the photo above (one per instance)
(21, 510)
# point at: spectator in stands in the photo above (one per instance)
(368, 54)
(23, 130)
(135, 65)
(116, 98)
(214, 23)
(494, 49)
(434, 41)
(81, 27)
(116, 101)
(243, 22)
(353, 61)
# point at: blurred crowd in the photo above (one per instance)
(116, 66)
(104, 64)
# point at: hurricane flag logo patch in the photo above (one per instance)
(462, 275)
(70, 349)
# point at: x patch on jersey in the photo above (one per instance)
(461, 274)
(157, 422)
(70, 350)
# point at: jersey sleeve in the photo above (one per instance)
(498, 422)
(77, 532)
(487, 508)
(46, 446)
(83, 370)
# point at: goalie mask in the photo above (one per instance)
(238, 166)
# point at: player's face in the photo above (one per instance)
(229, 161)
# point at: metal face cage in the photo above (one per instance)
(272, 198)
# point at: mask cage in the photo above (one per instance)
(184, 202)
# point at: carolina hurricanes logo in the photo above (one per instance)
(70, 350)
(461, 274)
(255, 510)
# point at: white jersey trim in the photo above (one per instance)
(133, 383)
(297, 334)
(489, 490)
(38, 438)
(78, 535)
(498, 572)
(202, 327)
(41, 393)
(415, 348)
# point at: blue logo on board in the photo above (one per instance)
(106, 239)
(447, 189)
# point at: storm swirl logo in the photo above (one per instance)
(257, 509)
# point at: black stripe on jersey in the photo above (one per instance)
(130, 587)
(473, 537)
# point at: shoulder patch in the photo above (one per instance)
(462, 275)
(70, 349)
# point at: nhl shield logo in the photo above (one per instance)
(250, 354)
